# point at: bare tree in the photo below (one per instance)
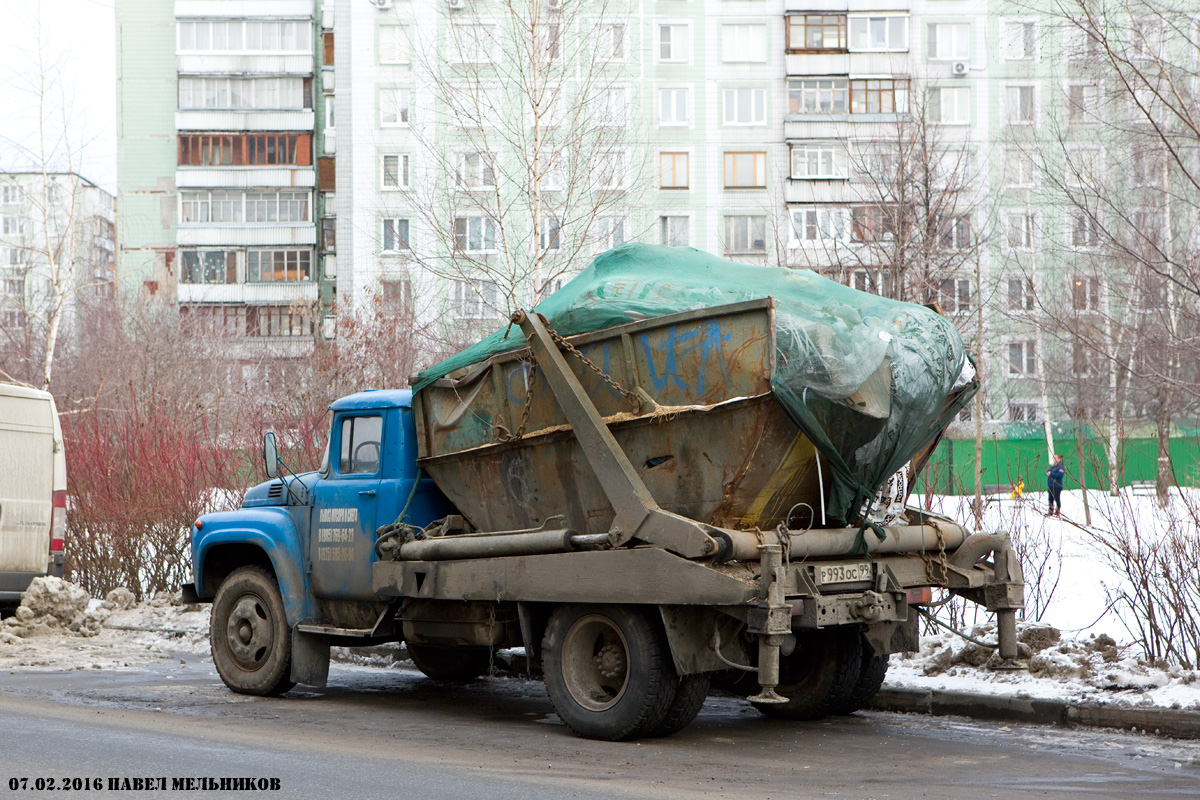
(529, 168)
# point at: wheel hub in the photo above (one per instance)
(249, 632)
(610, 661)
(595, 662)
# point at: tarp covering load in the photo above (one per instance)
(869, 380)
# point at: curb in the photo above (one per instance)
(1168, 722)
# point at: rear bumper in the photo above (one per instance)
(14, 584)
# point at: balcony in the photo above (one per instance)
(247, 293)
(216, 9)
(248, 120)
(245, 177)
(250, 234)
(244, 63)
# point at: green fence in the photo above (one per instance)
(1008, 460)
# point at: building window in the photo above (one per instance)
(1018, 41)
(396, 235)
(1023, 412)
(474, 299)
(673, 170)
(220, 319)
(1085, 230)
(1146, 166)
(278, 266)
(251, 35)
(608, 171)
(1022, 359)
(1147, 38)
(744, 44)
(329, 234)
(1019, 230)
(872, 223)
(956, 233)
(1020, 295)
(745, 106)
(871, 281)
(1083, 104)
(745, 170)
(219, 93)
(272, 206)
(1080, 44)
(393, 107)
(816, 32)
(473, 170)
(815, 160)
(818, 95)
(950, 41)
(12, 286)
(878, 96)
(394, 44)
(474, 234)
(12, 225)
(1085, 362)
(1085, 293)
(954, 295)
(396, 294)
(609, 39)
(222, 150)
(550, 42)
(1019, 105)
(675, 230)
(813, 225)
(550, 233)
(878, 33)
(1018, 169)
(611, 231)
(673, 106)
(746, 235)
(11, 194)
(278, 321)
(395, 171)
(950, 105)
(208, 266)
(473, 43)
(193, 207)
(673, 44)
(611, 107)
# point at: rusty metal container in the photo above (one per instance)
(714, 445)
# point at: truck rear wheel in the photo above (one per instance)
(819, 675)
(249, 634)
(451, 664)
(608, 671)
(690, 695)
(870, 679)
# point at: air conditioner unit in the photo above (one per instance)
(959, 68)
(382, 5)
(457, 3)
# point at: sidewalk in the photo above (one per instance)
(1169, 722)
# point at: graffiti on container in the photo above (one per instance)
(664, 355)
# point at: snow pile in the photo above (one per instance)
(1091, 669)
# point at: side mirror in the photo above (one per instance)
(271, 454)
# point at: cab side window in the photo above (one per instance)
(362, 445)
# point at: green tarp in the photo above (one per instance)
(866, 378)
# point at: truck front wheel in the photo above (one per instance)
(608, 671)
(251, 641)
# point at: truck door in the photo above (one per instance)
(345, 506)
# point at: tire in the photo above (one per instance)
(870, 678)
(690, 695)
(249, 634)
(818, 676)
(608, 671)
(450, 664)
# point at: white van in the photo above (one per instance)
(33, 490)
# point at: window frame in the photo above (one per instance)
(748, 51)
(759, 169)
(487, 234)
(749, 219)
(402, 242)
(674, 156)
(841, 28)
(687, 107)
(403, 172)
(1026, 24)
(403, 112)
(833, 153)
(684, 44)
(667, 234)
(959, 106)
(401, 31)
(889, 29)
(934, 38)
(757, 106)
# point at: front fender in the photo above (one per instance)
(273, 531)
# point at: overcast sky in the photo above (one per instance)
(77, 43)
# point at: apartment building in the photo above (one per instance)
(56, 254)
(220, 149)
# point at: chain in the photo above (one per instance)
(512, 437)
(939, 561)
(573, 350)
(563, 344)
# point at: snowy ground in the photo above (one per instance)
(1078, 646)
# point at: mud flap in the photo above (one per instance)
(310, 659)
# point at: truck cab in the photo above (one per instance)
(290, 571)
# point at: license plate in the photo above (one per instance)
(844, 573)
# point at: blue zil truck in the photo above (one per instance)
(633, 505)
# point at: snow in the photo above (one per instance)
(1077, 644)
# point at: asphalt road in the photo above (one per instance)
(394, 734)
